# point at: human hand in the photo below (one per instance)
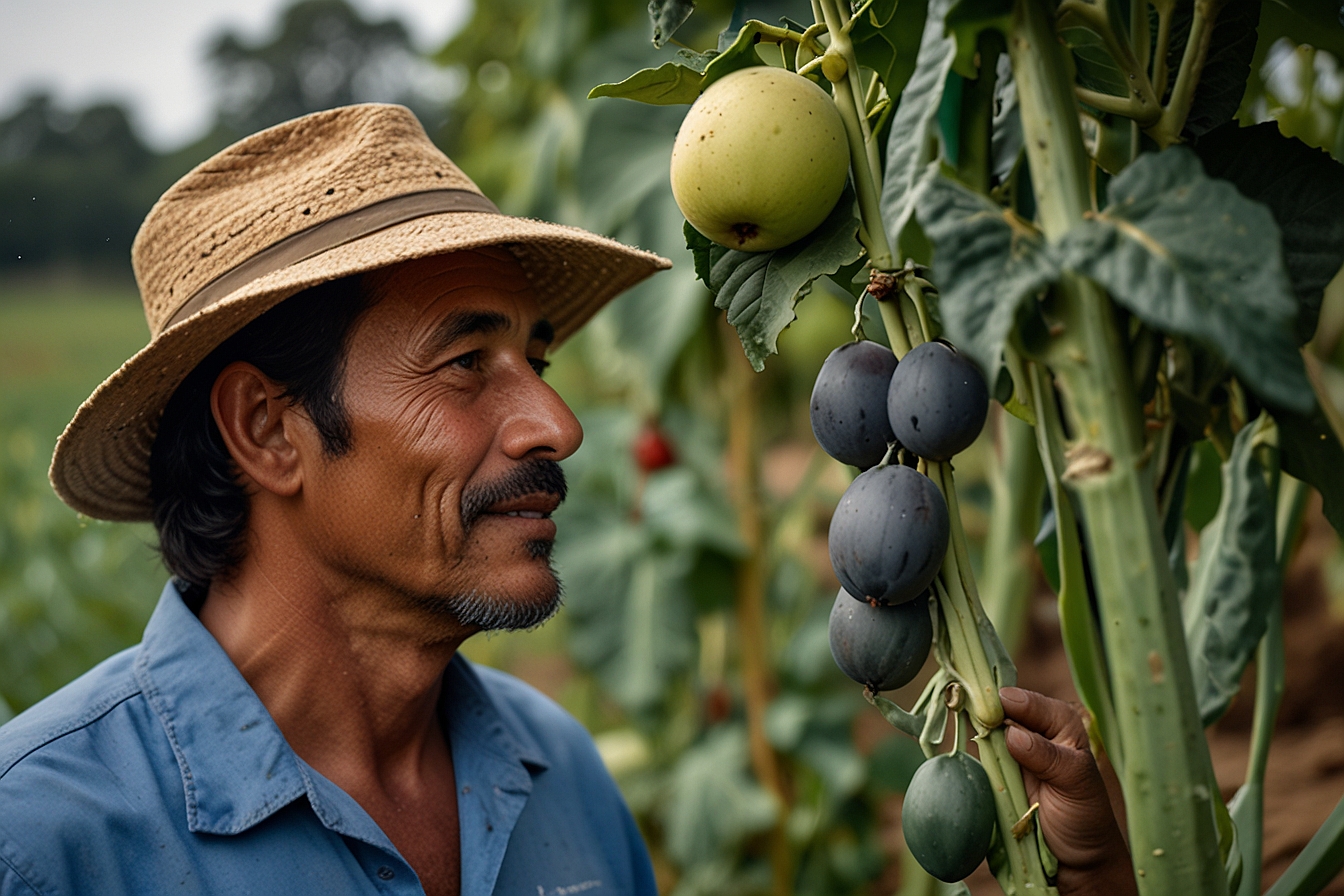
(1050, 743)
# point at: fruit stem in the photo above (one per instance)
(1010, 803)
(864, 163)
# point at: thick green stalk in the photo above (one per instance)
(1173, 837)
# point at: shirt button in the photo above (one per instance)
(386, 873)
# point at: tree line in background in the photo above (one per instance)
(76, 183)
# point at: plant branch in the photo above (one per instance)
(1168, 129)
(1142, 103)
(1161, 75)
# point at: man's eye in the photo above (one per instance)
(539, 365)
(469, 361)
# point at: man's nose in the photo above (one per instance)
(540, 424)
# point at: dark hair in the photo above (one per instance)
(200, 507)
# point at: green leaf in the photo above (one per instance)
(910, 164)
(1304, 189)
(1227, 65)
(668, 16)
(1236, 581)
(760, 289)
(1190, 255)
(700, 246)
(1093, 63)
(966, 20)
(1311, 452)
(886, 40)
(740, 54)
(712, 804)
(986, 262)
(666, 85)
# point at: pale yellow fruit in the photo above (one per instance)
(760, 159)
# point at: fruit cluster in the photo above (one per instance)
(888, 538)
(890, 532)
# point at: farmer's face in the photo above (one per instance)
(446, 496)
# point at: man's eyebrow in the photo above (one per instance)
(542, 331)
(461, 324)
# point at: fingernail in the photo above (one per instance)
(1017, 738)
(1012, 695)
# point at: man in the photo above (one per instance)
(340, 431)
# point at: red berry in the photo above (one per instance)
(651, 450)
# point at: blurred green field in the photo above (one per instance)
(72, 590)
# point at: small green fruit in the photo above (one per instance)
(948, 815)
(760, 160)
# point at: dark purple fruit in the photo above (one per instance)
(948, 816)
(849, 403)
(881, 647)
(937, 401)
(889, 535)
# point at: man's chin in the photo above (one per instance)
(486, 609)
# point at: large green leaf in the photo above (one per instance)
(886, 40)
(668, 16)
(712, 804)
(760, 289)
(1190, 255)
(1236, 581)
(669, 84)
(1304, 189)
(986, 263)
(1227, 65)
(909, 163)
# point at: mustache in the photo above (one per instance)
(534, 476)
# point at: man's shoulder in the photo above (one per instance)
(84, 702)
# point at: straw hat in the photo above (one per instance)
(334, 193)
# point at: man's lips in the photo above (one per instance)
(537, 506)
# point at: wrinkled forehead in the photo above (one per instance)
(489, 266)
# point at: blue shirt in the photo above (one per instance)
(160, 771)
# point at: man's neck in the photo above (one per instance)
(352, 679)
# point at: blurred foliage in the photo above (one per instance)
(72, 591)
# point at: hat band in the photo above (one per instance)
(328, 235)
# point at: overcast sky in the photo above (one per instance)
(149, 53)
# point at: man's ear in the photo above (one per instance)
(260, 428)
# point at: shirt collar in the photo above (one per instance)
(237, 769)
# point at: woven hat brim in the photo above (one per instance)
(101, 463)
